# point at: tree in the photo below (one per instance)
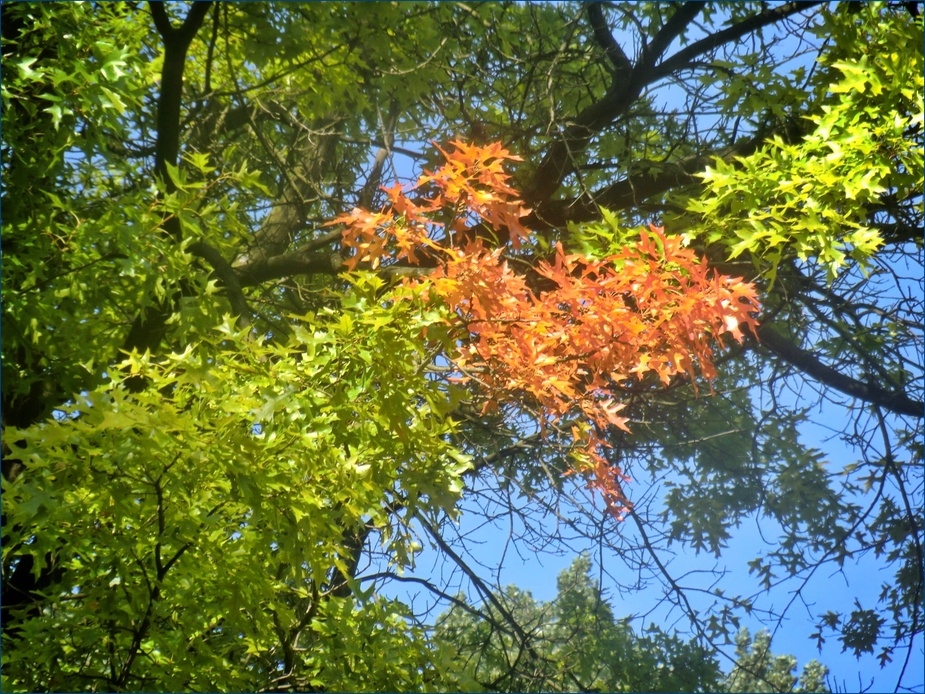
(758, 670)
(234, 411)
(574, 643)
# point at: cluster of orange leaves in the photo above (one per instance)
(564, 349)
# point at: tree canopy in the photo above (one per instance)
(577, 644)
(296, 294)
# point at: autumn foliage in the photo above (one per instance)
(559, 335)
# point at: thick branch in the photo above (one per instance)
(683, 58)
(176, 44)
(313, 155)
(654, 178)
(808, 363)
(605, 39)
(368, 192)
(226, 274)
(558, 161)
(305, 261)
(149, 326)
(355, 541)
(679, 21)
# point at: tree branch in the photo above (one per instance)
(654, 178)
(149, 326)
(368, 192)
(679, 21)
(558, 161)
(224, 272)
(682, 58)
(314, 149)
(808, 363)
(522, 636)
(606, 41)
(176, 44)
(305, 261)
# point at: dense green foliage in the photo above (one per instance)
(759, 670)
(576, 644)
(223, 455)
